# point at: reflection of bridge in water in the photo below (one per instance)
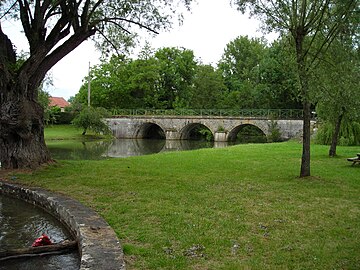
(137, 147)
(223, 128)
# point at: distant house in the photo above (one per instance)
(59, 102)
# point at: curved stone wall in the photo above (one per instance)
(98, 245)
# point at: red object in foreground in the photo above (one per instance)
(43, 240)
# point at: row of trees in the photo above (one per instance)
(250, 74)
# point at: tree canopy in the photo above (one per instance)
(171, 78)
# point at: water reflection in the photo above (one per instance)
(80, 150)
(132, 147)
(21, 223)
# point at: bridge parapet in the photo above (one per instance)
(256, 113)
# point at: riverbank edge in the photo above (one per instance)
(99, 246)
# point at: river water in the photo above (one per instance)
(121, 148)
(20, 224)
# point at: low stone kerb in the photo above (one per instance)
(98, 245)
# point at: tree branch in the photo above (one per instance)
(57, 54)
(25, 21)
(109, 41)
(7, 12)
(114, 19)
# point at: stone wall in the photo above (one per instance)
(98, 245)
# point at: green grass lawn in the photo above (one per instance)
(68, 132)
(241, 207)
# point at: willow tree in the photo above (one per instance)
(53, 29)
(312, 25)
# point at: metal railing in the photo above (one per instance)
(253, 113)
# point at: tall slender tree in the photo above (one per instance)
(53, 29)
(312, 25)
(339, 98)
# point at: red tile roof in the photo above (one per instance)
(58, 101)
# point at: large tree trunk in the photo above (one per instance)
(22, 143)
(334, 140)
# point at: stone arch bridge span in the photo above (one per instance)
(180, 127)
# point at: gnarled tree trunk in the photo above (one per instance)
(22, 143)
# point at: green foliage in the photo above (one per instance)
(275, 133)
(92, 118)
(43, 97)
(177, 71)
(250, 75)
(258, 75)
(54, 114)
(44, 101)
(250, 134)
(311, 26)
(208, 89)
(349, 134)
(160, 80)
(240, 68)
(65, 118)
(277, 73)
(324, 134)
(240, 60)
(220, 129)
(206, 134)
(336, 84)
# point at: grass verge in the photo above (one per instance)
(69, 132)
(241, 207)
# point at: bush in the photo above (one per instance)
(91, 118)
(349, 134)
(274, 132)
(65, 118)
(206, 134)
(52, 115)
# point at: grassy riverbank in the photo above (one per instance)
(68, 132)
(241, 207)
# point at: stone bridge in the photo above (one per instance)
(181, 127)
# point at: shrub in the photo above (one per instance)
(65, 118)
(274, 132)
(349, 134)
(206, 134)
(91, 118)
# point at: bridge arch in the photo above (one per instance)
(150, 130)
(191, 131)
(232, 136)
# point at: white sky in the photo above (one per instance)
(206, 30)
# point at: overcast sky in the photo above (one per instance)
(206, 30)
